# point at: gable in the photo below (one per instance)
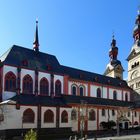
(132, 55)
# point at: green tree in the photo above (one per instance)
(31, 135)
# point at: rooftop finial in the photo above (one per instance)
(113, 35)
(139, 10)
(36, 39)
(113, 43)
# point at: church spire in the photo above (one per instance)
(136, 31)
(114, 67)
(113, 52)
(36, 39)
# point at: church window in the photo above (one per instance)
(115, 95)
(136, 123)
(49, 116)
(98, 93)
(73, 114)
(81, 90)
(103, 112)
(113, 112)
(135, 65)
(128, 114)
(135, 114)
(10, 82)
(92, 115)
(137, 84)
(74, 89)
(28, 116)
(126, 97)
(64, 117)
(57, 87)
(27, 84)
(44, 86)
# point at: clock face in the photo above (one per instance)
(135, 74)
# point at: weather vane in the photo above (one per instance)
(139, 9)
(113, 34)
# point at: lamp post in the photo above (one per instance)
(22, 119)
(82, 116)
(118, 127)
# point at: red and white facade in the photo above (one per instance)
(36, 98)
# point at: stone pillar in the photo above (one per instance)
(36, 82)
(18, 80)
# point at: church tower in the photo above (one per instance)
(114, 68)
(134, 58)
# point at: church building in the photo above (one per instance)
(38, 92)
(134, 58)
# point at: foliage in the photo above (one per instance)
(111, 124)
(31, 135)
(108, 125)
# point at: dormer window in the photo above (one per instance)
(49, 67)
(96, 78)
(81, 76)
(25, 63)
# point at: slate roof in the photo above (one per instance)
(70, 99)
(66, 100)
(17, 54)
(93, 77)
(31, 99)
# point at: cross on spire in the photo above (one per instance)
(113, 43)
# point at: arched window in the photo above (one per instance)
(27, 84)
(115, 95)
(49, 116)
(73, 114)
(136, 123)
(128, 114)
(98, 93)
(135, 114)
(64, 117)
(74, 89)
(44, 87)
(103, 112)
(113, 112)
(92, 115)
(10, 82)
(81, 91)
(126, 97)
(28, 116)
(57, 87)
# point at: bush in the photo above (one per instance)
(31, 135)
(108, 125)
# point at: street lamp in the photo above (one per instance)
(22, 119)
(118, 127)
(82, 116)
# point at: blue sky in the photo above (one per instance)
(77, 32)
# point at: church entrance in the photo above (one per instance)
(126, 125)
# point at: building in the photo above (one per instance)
(36, 91)
(114, 68)
(134, 59)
